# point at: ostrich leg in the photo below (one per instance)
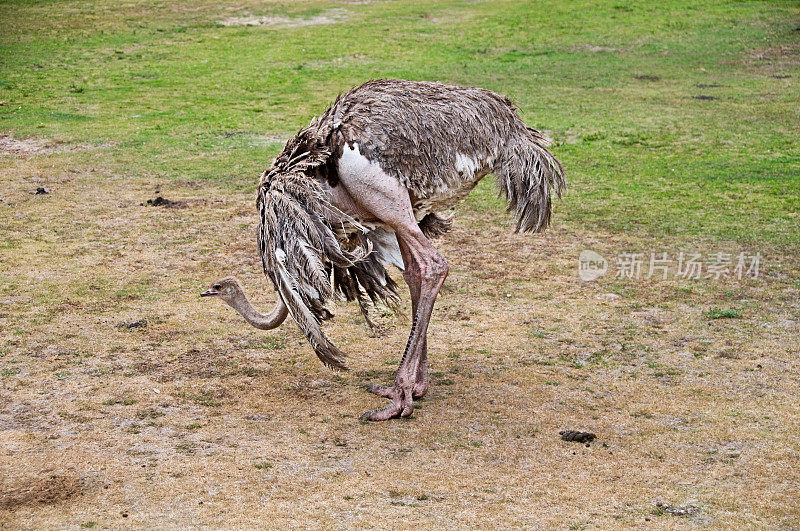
(422, 379)
(425, 270)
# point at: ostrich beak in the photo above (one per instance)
(209, 293)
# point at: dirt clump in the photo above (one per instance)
(161, 201)
(136, 323)
(49, 490)
(577, 436)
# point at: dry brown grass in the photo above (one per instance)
(194, 419)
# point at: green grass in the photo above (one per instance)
(178, 96)
(8, 373)
(718, 313)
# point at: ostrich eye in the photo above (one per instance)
(217, 286)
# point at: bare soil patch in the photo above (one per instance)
(785, 53)
(265, 140)
(37, 146)
(775, 60)
(332, 16)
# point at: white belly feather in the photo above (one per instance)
(467, 171)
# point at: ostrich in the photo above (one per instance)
(361, 188)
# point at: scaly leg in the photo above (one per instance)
(425, 272)
(375, 192)
(422, 380)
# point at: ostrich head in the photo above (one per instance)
(227, 289)
(231, 293)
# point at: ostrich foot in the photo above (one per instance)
(381, 390)
(402, 404)
(420, 388)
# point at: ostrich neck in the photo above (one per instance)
(258, 319)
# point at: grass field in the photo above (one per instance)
(126, 401)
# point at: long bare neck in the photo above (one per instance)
(256, 318)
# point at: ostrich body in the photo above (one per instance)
(360, 188)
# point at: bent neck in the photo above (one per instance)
(258, 319)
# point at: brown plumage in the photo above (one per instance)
(360, 188)
(416, 130)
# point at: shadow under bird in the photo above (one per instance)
(360, 189)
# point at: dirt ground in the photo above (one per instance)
(127, 401)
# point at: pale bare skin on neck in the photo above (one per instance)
(231, 293)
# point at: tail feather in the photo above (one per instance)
(307, 320)
(433, 225)
(528, 174)
(301, 253)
